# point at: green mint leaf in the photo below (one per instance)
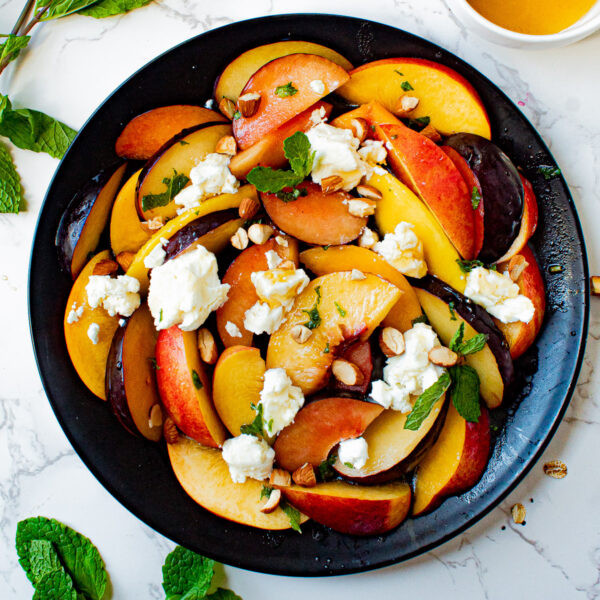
(186, 574)
(406, 87)
(78, 555)
(475, 198)
(457, 338)
(425, 402)
(265, 492)
(61, 8)
(293, 514)
(154, 363)
(421, 319)
(292, 195)
(297, 150)
(12, 46)
(473, 345)
(34, 130)
(196, 379)
(418, 123)
(399, 73)
(349, 465)
(326, 351)
(56, 585)
(223, 594)
(452, 308)
(283, 91)
(325, 470)
(340, 310)
(257, 426)
(314, 317)
(43, 559)
(11, 192)
(110, 8)
(237, 115)
(265, 179)
(548, 172)
(173, 186)
(465, 392)
(466, 266)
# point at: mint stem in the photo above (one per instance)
(24, 14)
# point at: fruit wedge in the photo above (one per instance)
(348, 309)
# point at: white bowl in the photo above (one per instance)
(589, 23)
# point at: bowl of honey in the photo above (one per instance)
(529, 23)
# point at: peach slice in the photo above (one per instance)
(126, 231)
(84, 219)
(204, 475)
(455, 463)
(430, 174)
(184, 387)
(236, 74)
(319, 426)
(352, 509)
(348, 309)
(446, 97)
(372, 112)
(278, 107)
(316, 218)
(143, 136)
(394, 450)
(213, 243)
(242, 294)
(520, 336)
(178, 156)
(89, 359)
(346, 258)
(237, 383)
(400, 204)
(268, 151)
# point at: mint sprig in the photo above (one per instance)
(11, 192)
(173, 185)
(470, 346)
(424, 403)
(187, 575)
(12, 46)
(110, 8)
(257, 426)
(464, 392)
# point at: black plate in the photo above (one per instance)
(138, 474)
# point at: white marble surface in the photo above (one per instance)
(71, 66)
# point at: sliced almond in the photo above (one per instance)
(227, 107)
(280, 478)
(125, 259)
(301, 334)
(595, 285)
(432, 133)
(259, 233)
(170, 432)
(331, 184)
(305, 476)
(516, 265)
(248, 104)
(287, 265)
(405, 105)
(368, 191)
(226, 145)
(368, 238)
(361, 207)
(156, 416)
(556, 469)
(153, 224)
(346, 372)
(391, 341)
(272, 502)
(105, 267)
(239, 239)
(248, 208)
(207, 346)
(359, 129)
(518, 513)
(443, 357)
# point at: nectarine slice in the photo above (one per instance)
(352, 509)
(144, 135)
(394, 450)
(319, 426)
(130, 379)
(236, 74)
(126, 231)
(204, 475)
(89, 359)
(426, 169)
(237, 383)
(348, 309)
(455, 463)
(346, 258)
(185, 388)
(446, 97)
(316, 218)
(242, 293)
(84, 219)
(278, 103)
(400, 204)
(178, 156)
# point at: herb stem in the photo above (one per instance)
(24, 14)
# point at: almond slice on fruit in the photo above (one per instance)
(227, 107)
(239, 240)
(516, 265)
(301, 334)
(248, 104)
(406, 104)
(155, 418)
(368, 191)
(331, 184)
(443, 357)
(226, 145)
(305, 476)
(207, 346)
(125, 259)
(346, 372)
(391, 341)
(358, 127)
(105, 267)
(361, 207)
(259, 233)
(248, 208)
(280, 478)
(272, 502)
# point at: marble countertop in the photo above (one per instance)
(71, 66)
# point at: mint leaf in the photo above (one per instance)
(466, 266)
(265, 179)
(34, 130)
(196, 380)
(325, 470)
(283, 91)
(406, 87)
(465, 392)
(265, 492)
(293, 514)
(340, 310)
(457, 338)
(79, 556)
(257, 426)
(452, 308)
(9, 50)
(222, 594)
(173, 186)
(420, 319)
(110, 8)
(61, 8)
(475, 198)
(297, 150)
(11, 192)
(186, 575)
(419, 123)
(56, 585)
(43, 559)
(425, 402)
(292, 195)
(548, 172)
(314, 318)
(473, 345)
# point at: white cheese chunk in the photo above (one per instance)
(403, 250)
(232, 329)
(248, 457)
(118, 295)
(261, 318)
(280, 401)
(273, 259)
(279, 286)
(373, 152)
(93, 332)
(317, 86)
(75, 313)
(353, 453)
(157, 255)
(357, 275)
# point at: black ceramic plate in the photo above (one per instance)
(138, 474)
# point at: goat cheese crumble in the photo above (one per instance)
(248, 457)
(232, 329)
(317, 86)
(93, 332)
(157, 256)
(118, 295)
(403, 250)
(75, 313)
(353, 453)
(280, 401)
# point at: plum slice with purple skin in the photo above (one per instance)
(502, 192)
